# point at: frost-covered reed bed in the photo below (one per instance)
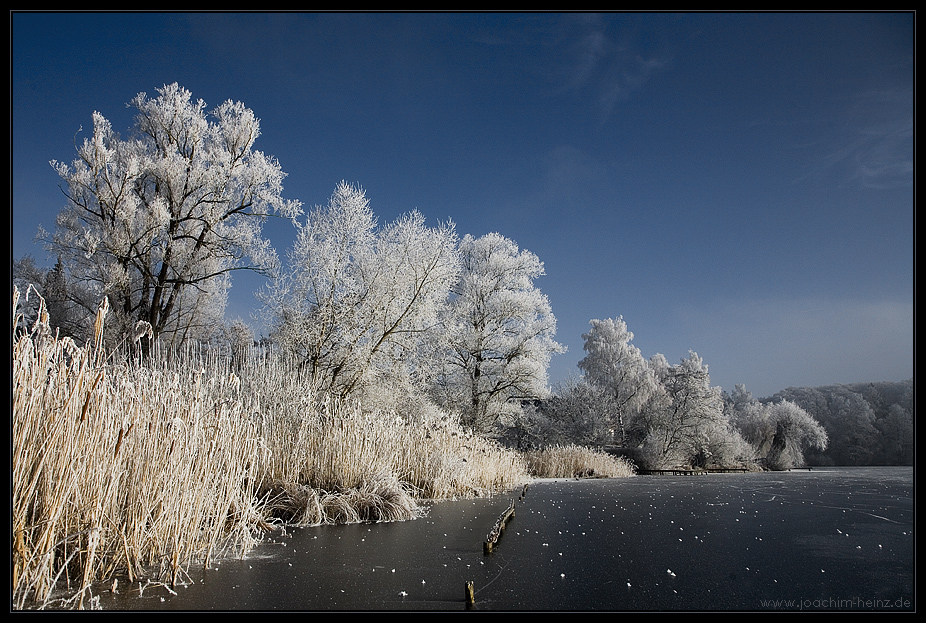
(142, 468)
(568, 461)
(121, 467)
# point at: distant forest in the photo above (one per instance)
(867, 423)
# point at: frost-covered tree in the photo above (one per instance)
(28, 278)
(235, 340)
(795, 431)
(65, 302)
(499, 332)
(158, 221)
(358, 299)
(779, 432)
(617, 368)
(868, 423)
(684, 418)
(738, 400)
(577, 412)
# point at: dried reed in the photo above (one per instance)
(119, 467)
(571, 461)
(130, 467)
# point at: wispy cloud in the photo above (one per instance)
(606, 61)
(871, 144)
(599, 57)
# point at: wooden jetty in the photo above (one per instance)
(691, 471)
(674, 471)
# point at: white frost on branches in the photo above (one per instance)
(158, 221)
(499, 333)
(360, 298)
(405, 305)
(617, 368)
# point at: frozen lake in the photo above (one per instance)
(829, 539)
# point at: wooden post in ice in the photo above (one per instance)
(470, 594)
(497, 529)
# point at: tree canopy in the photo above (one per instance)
(358, 297)
(498, 332)
(158, 222)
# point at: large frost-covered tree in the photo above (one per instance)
(499, 332)
(617, 368)
(360, 299)
(780, 432)
(158, 221)
(685, 420)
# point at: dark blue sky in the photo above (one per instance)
(740, 185)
